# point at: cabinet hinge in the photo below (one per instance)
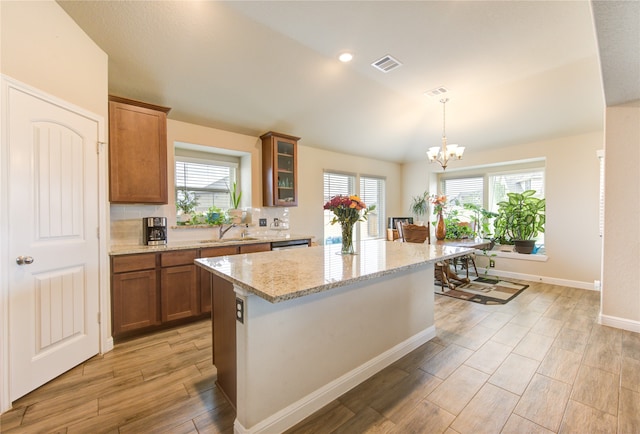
(99, 147)
(98, 232)
(99, 318)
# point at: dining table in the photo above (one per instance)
(444, 272)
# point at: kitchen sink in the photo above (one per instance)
(229, 240)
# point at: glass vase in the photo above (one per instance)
(347, 238)
(441, 227)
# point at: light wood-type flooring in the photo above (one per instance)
(539, 364)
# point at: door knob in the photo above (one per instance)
(21, 260)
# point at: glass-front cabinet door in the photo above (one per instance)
(280, 169)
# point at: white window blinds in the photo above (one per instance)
(464, 190)
(334, 184)
(210, 181)
(372, 193)
(338, 183)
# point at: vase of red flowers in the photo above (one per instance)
(347, 210)
(439, 203)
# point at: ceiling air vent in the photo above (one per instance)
(438, 91)
(386, 64)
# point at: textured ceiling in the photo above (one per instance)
(518, 72)
(618, 29)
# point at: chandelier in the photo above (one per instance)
(442, 154)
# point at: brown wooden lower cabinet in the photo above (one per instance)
(179, 293)
(154, 290)
(135, 301)
(205, 276)
(253, 248)
(134, 288)
(205, 290)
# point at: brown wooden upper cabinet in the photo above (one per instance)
(137, 152)
(279, 169)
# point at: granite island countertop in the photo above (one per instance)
(282, 275)
(128, 249)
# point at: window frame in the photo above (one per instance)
(233, 177)
(379, 213)
(486, 173)
(353, 188)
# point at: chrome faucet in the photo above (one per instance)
(225, 230)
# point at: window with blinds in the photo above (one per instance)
(372, 192)
(489, 188)
(334, 184)
(514, 182)
(209, 180)
(601, 198)
(464, 190)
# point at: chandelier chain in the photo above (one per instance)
(443, 153)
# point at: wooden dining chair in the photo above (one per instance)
(410, 233)
(467, 261)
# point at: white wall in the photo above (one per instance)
(312, 162)
(44, 48)
(572, 190)
(305, 219)
(621, 264)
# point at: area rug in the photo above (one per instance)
(486, 291)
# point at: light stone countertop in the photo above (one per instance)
(128, 249)
(287, 274)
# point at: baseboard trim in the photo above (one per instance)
(294, 413)
(544, 279)
(108, 345)
(620, 323)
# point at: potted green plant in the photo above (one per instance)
(235, 214)
(214, 216)
(186, 203)
(419, 206)
(480, 218)
(520, 219)
(455, 228)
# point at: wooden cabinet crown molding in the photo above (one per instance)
(137, 103)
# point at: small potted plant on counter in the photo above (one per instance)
(235, 214)
(520, 219)
(214, 216)
(186, 203)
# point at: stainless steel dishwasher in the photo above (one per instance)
(289, 244)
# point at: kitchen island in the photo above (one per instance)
(310, 324)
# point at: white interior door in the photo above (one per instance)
(53, 241)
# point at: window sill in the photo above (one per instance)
(537, 257)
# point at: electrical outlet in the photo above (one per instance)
(240, 310)
(263, 222)
(492, 263)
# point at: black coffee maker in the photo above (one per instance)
(154, 231)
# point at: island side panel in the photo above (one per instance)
(296, 356)
(224, 336)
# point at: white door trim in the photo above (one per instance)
(106, 340)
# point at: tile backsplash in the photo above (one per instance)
(126, 224)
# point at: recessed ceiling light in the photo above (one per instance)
(345, 57)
